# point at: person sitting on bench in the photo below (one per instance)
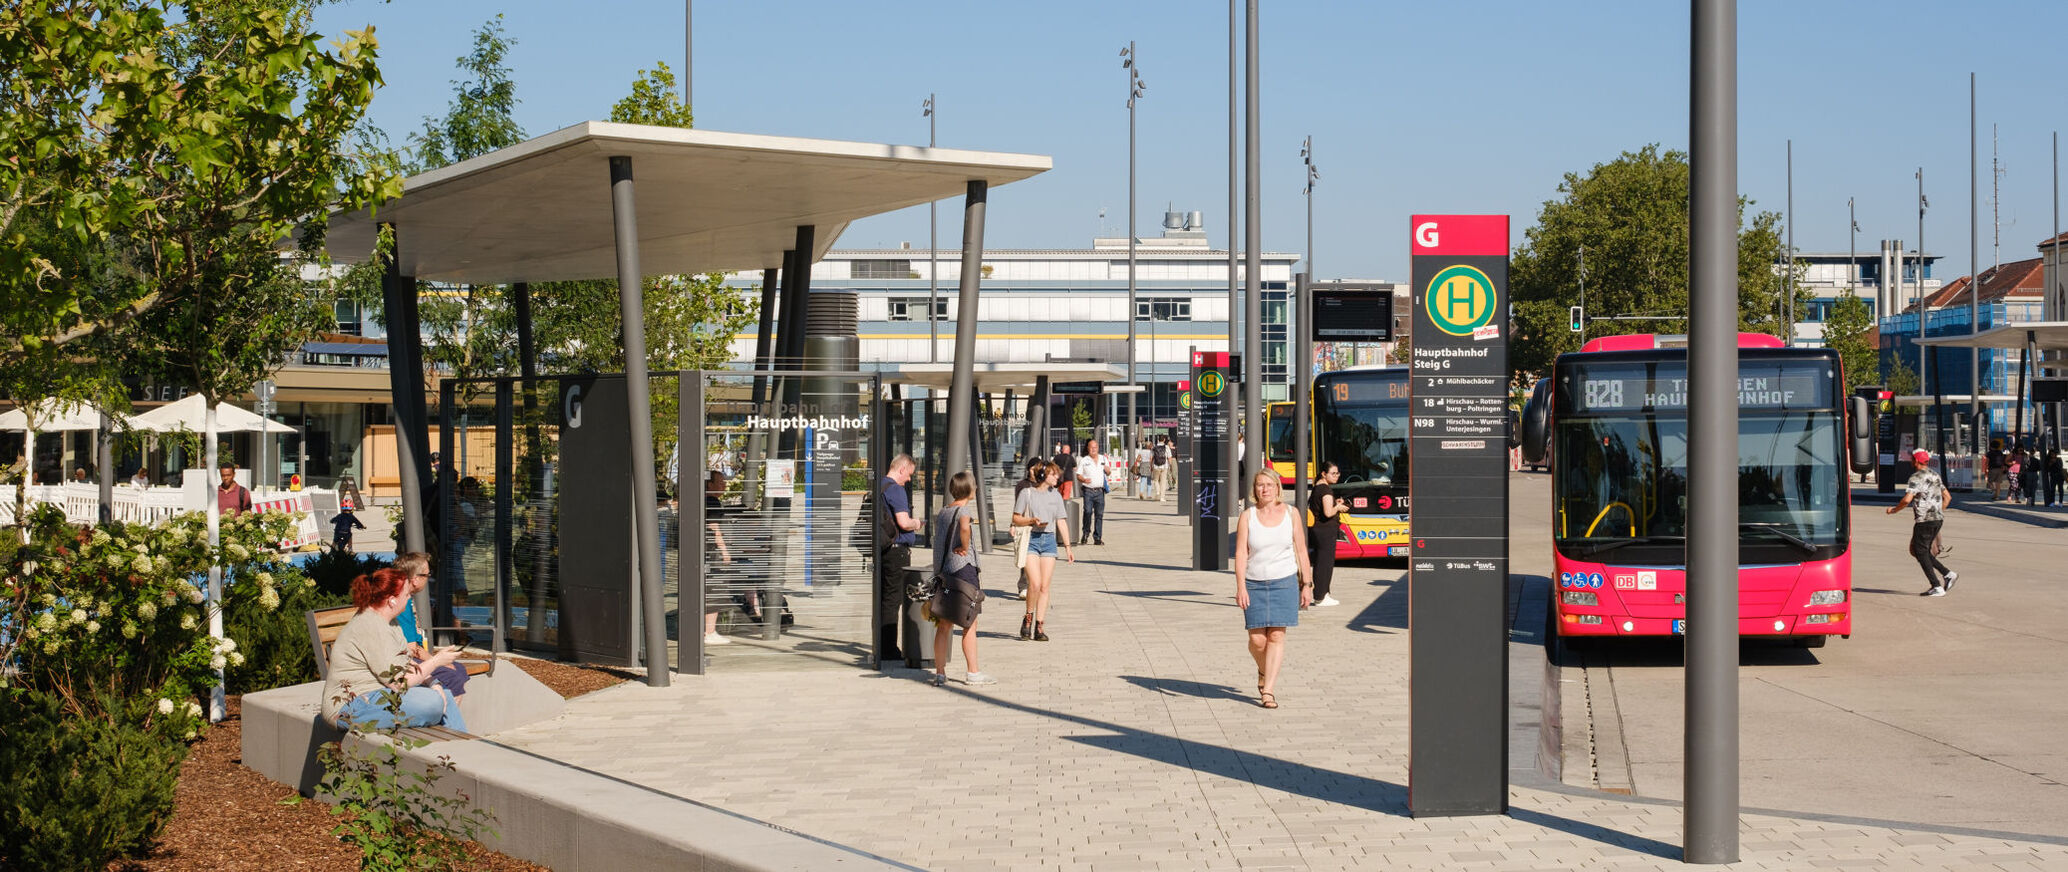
(370, 665)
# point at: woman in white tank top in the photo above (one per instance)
(1272, 578)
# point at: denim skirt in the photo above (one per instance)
(1273, 602)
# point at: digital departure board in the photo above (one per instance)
(1603, 388)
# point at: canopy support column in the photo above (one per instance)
(406, 388)
(961, 387)
(646, 523)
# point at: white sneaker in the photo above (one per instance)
(979, 679)
(1329, 601)
(716, 639)
(1023, 589)
(1951, 577)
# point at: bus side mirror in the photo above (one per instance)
(1536, 423)
(1860, 434)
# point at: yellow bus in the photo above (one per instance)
(1359, 423)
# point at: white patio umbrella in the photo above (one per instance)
(190, 413)
(52, 416)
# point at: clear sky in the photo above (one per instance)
(1414, 107)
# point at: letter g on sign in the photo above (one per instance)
(572, 406)
(1425, 234)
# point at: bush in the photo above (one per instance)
(333, 571)
(81, 792)
(275, 641)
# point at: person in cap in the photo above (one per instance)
(1925, 495)
(342, 525)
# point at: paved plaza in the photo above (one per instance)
(1132, 741)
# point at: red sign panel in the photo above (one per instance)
(1210, 358)
(1458, 234)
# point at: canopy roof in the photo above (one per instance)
(997, 376)
(707, 201)
(187, 414)
(2045, 335)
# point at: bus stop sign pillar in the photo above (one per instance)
(1458, 552)
(1211, 393)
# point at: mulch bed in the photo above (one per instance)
(227, 817)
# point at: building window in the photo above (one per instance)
(1163, 309)
(880, 269)
(1274, 311)
(348, 318)
(914, 308)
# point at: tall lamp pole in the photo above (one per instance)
(933, 260)
(1134, 92)
(1303, 358)
(1231, 487)
(1852, 252)
(1788, 305)
(1253, 254)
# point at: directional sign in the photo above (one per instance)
(1209, 421)
(1458, 565)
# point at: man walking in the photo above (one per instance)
(1926, 497)
(1091, 473)
(1159, 468)
(894, 515)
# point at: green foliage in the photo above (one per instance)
(480, 118)
(1904, 381)
(1080, 420)
(275, 642)
(157, 153)
(391, 810)
(115, 614)
(333, 571)
(1845, 331)
(81, 792)
(1631, 215)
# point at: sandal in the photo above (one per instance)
(1267, 699)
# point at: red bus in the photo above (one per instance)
(1613, 419)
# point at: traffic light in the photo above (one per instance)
(1577, 320)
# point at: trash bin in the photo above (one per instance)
(917, 634)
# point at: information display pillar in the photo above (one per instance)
(1210, 452)
(1458, 568)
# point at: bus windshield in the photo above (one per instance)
(1361, 426)
(1279, 432)
(1622, 442)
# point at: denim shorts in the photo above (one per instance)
(1041, 543)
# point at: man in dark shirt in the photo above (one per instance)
(894, 510)
(1068, 466)
(231, 498)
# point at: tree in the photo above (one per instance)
(1845, 331)
(1902, 380)
(480, 118)
(1631, 215)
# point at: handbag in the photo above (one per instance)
(960, 600)
(1020, 537)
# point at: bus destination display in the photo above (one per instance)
(1634, 388)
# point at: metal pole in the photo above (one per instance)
(933, 259)
(104, 458)
(1711, 776)
(688, 16)
(1253, 241)
(646, 522)
(962, 385)
(1852, 251)
(1788, 304)
(1303, 289)
(1229, 409)
(1134, 92)
(1974, 259)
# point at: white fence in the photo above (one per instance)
(82, 505)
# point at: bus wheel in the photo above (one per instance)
(1816, 641)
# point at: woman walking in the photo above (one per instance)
(962, 599)
(1041, 508)
(1272, 578)
(1327, 510)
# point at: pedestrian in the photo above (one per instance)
(2017, 467)
(141, 480)
(371, 680)
(1140, 468)
(415, 567)
(961, 599)
(1999, 466)
(1926, 497)
(1272, 578)
(2054, 475)
(894, 515)
(1159, 467)
(2028, 478)
(1067, 466)
(1020, 534)
(231, 498)
(1041, 509)
(1327, 510)
(342, 526)
(1091, 475)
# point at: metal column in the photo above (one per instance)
(1711, 776)
(961, 387)
(1253, 278)
(406, 389)
(645, 518)
(505, 487)
(1303, 450)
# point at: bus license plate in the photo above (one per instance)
(1396, 551)
(1680, 628)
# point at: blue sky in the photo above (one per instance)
(1414, 108)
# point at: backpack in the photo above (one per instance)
(1158, 458)
(859, 534)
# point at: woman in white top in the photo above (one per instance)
(1272, 578)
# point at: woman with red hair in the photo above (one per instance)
(373, 680)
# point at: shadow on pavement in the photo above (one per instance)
(1596, 833)
(1179, 687)
(1182, 596)
(1388, 612)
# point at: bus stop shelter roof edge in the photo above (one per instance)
(708, 201)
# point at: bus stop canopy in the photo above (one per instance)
(995, 376)
(708, 201)
(2045, 335)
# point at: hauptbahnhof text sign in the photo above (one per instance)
(1458, 568)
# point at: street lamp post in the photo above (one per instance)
(1303, 356)
(933, 260)
(1134, 92)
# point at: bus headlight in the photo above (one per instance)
(1827, 598)
(1579, 598)
(1824, 618)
